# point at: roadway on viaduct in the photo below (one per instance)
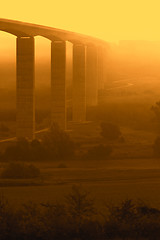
(77, 60)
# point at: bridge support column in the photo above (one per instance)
(25, 99)
(91, 76)
(61, 74)
(100, 68)
(106, 63)
(79, 82)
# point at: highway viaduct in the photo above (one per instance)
(75, 58)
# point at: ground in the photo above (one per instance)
(108, 182)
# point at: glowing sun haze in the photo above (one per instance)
(111, 20)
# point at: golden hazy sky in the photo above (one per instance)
(106, 19)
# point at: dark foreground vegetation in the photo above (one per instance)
(77, 218)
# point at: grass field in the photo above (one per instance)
(107, 182)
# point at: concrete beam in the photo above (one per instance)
(91, 76)
(61, 75)
(25, 88)
(79, 82)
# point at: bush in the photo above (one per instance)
(20, 171)
(110, 132)
(99, 152)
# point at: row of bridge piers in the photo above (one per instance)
(78, 66)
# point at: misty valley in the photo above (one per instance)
(100, 178)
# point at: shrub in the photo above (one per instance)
(20, 171)
(110, 132)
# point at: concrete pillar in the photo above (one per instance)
(79, 82)
(25, 88)
(91, 76)
(100, 68)
(61, 75)
(106, 66)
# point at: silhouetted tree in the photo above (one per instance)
(79, 203)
